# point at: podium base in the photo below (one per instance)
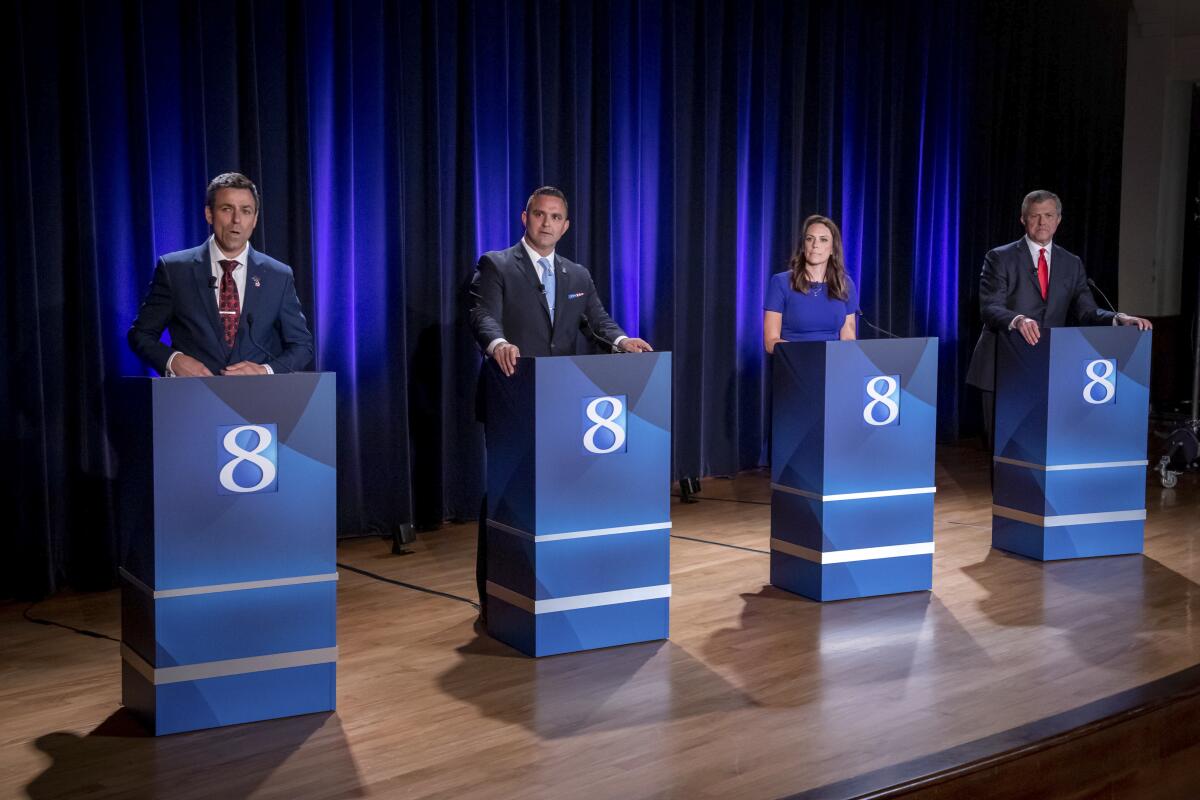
(227, 700)
(824, 582)
(1089, 540)
(552, 633)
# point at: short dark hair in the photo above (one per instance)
(230, 180)
(1040, 196)
(548, 191)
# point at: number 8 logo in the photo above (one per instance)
(884, 398)
(240, 454)
(608, 423)
(1100, 371)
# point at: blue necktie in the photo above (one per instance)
(548, 283)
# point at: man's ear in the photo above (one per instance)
(208, 214)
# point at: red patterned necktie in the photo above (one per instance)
(228, 303)
(1043, 272)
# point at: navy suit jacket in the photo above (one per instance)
(508, 302)
(1008, 286)
(272, 329)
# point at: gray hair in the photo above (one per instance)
(1040, 196)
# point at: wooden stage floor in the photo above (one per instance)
(758, 693)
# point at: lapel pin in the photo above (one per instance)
(257, 282)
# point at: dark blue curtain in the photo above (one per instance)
(393, 142)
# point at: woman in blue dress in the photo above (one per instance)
(814, 300)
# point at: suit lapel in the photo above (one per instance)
(529, 270)
(560, 288)
(1056, 292)
(201, 272)
(253, 293)
(1029, 266)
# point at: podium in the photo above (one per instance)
(1070, 452)
(578, 503)
(228, 521)
(852, 467)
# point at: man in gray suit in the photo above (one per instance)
(1028, 285)
(530, 301)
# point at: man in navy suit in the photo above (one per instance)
(1029, 285)
(230, 310)
(530, 301)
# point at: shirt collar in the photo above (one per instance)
(1034, 247)
(534, 255)
(215, 256)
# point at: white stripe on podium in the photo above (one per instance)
(830, 498)
(216, 588)
(1059, 520)
(232, 666)
(556, 537)
(572, 602)
(1065, 467)
(847, 556)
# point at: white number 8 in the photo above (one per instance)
(608, 423)
(241, 454)
(1099, 371)
(884, 398)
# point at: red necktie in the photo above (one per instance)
(228, 303)
(1043, 272)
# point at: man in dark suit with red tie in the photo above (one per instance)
(530, 301)
(1029, 285)
(230, 310)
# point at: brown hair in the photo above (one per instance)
(230, 180)
(835, 271)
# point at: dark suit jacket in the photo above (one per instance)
(272, 329)
(1008, 286)
(507, 302)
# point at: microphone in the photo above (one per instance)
(876, 327)
(1092, 284)
(212, 281)
(586, 323)
(250, 336)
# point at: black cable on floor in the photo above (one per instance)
(51, 623)
(729, 500)
(721, 544)
(412, 586)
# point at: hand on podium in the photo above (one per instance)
(245, 368)
(506, 355)
(184, 366)
(1142, 324)
(632, 345)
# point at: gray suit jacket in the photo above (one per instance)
(1008, 286)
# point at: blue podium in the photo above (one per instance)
(228, 520)
(578, 481)
(1070, 452)
(852, 467)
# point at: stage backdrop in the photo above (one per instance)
(395, 141)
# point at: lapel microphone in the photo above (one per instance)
(212, 281)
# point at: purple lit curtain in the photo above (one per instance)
(395, 141)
